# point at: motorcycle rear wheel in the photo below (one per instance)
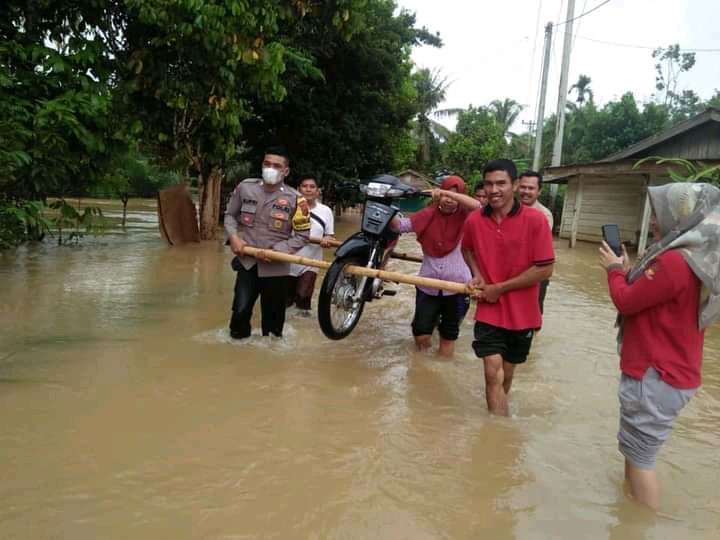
(338, 314)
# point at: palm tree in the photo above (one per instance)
(431, 87)
(582, 86)
(505, 112)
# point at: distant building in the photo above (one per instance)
(613, 190)
(417, 180)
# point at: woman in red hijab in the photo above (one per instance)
(438, 229)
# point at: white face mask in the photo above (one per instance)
(271, 176)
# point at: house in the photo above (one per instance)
(614, 189)
(417, 180)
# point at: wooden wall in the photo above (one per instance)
(605, 200)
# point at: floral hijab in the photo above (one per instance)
(688, 216)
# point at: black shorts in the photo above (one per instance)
(444, 312)
(512, 345)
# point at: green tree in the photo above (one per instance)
(194, 69)
(686, 105)
(714, 101)
(478, 138)
(55, 96)
(133, 175)
(670, 63)
(351, 118)
(505, 113)
(592, 134)
(582, 87)
(431, 87)
(520, 147)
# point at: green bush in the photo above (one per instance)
(12, 229)
(134, 175)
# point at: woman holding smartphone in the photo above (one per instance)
(662, 320)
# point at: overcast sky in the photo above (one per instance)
(493, 48)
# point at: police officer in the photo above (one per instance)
(267, 214)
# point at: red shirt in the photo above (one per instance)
(505, 250)
(660, 321)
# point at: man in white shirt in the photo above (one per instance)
(529, 188)
(322, 225)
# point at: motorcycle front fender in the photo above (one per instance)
(357, 245)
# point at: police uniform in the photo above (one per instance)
(266, 220)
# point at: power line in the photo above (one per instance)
(530, 74)
(492, 55)
(588, 12)
(560, 10)
(510, 74)
(577, 28)
(632, 46)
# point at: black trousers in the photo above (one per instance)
(273, 295)
(444, 312)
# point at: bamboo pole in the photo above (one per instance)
(396, 277)
(393, 255)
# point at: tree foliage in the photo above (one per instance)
(593, 133)
(506, 112)
(55, 96)
(193, 83)
(583, 90)
(683, 170)
(349, 117)
(431, 88)
(478, 138)
(670, 63)
(113, 96)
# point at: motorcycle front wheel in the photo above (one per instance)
(338, 313)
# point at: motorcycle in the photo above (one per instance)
(342, 295)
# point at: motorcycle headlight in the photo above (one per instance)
(380, 189)
(377, 189)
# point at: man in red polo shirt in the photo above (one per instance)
(509, 250)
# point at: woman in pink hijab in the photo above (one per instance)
(438, 229)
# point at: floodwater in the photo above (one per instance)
(127, 412)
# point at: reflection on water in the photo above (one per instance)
(127, 412)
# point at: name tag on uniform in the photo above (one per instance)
(279, 207)
(249, 207)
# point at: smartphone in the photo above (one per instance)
(611, 235)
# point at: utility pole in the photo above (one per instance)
(531, 126)
(541, 101)
(562, 97)
(563, 90)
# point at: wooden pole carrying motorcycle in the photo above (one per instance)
(343, 295)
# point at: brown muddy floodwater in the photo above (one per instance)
(127, 412)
